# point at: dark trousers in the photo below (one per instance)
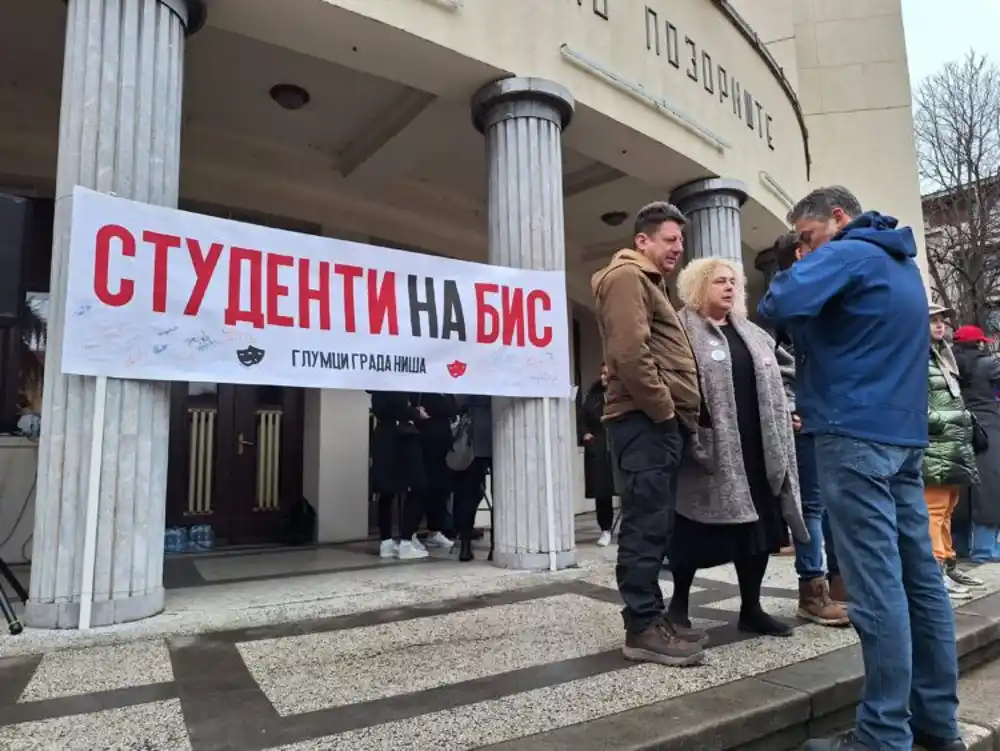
(469, 487)
(439, 485)
(647, 456)
(605, 512)
(410, 512)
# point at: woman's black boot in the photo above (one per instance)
(465, 548)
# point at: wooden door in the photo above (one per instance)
(235, 459)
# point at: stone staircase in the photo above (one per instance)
(781, 709)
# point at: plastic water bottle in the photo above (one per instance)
(169, 540)
(201, 538)
(194, 538)
(175, 540)
(209, 537)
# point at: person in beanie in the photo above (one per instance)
(950, 463)
(979, 377)
(856, 306)
(652, 404)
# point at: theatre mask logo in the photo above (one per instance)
(250, 356)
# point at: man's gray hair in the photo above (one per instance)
(649, 218)
(820, 203)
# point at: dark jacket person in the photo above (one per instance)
(979, 377)
(599, 481)
(652, 402)
(398, 471)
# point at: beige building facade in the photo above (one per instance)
(519, 133)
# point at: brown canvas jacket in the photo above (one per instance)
(650, 364)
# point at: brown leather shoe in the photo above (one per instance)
(660, 644)
(838, 592)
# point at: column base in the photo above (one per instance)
(66, 615)
(533, 561)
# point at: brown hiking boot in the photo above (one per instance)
(838, 592)
(682, 627)
(815, 605)
(660, 644)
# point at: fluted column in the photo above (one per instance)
(713, 211)
(119, 132)
(522, 120)
(766, 262)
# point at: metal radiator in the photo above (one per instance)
(202, 461)
(268, 459)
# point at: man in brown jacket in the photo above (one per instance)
(653, 403)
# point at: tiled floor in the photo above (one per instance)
(398, 658)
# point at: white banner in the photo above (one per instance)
(156, 293)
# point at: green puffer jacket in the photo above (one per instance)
(950, 459)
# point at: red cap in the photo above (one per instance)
(970, 334)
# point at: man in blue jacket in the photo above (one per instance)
(857, 309)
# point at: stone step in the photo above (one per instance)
(980, 708)
(779, 710)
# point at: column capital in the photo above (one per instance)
(515, 97)
(714, 192)
(191, 12)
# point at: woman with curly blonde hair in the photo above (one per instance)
(738, 489)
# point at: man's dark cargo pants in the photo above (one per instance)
(646, 457)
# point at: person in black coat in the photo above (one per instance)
(979, 376)
(398, 470)
(598, 474)
(470, 483)
(436, 440)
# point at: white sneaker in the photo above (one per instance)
(605, 539)
(409, 552)
(964, 578)
(956, 591)
(416, 543)
(387, 549)
(438, 540)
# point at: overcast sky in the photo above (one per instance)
(939, 31)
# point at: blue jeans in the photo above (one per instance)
(899, 605)
(809, 556)
(985, 544)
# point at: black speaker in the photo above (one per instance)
(15, 239)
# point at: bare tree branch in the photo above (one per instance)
(957, 124)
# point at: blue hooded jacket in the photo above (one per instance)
(857, 310)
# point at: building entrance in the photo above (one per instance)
(235, 459)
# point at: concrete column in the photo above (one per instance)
(119, 132)
(522, 120)
(766, 262)
(713, 211)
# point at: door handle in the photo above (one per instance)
(240, 443)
